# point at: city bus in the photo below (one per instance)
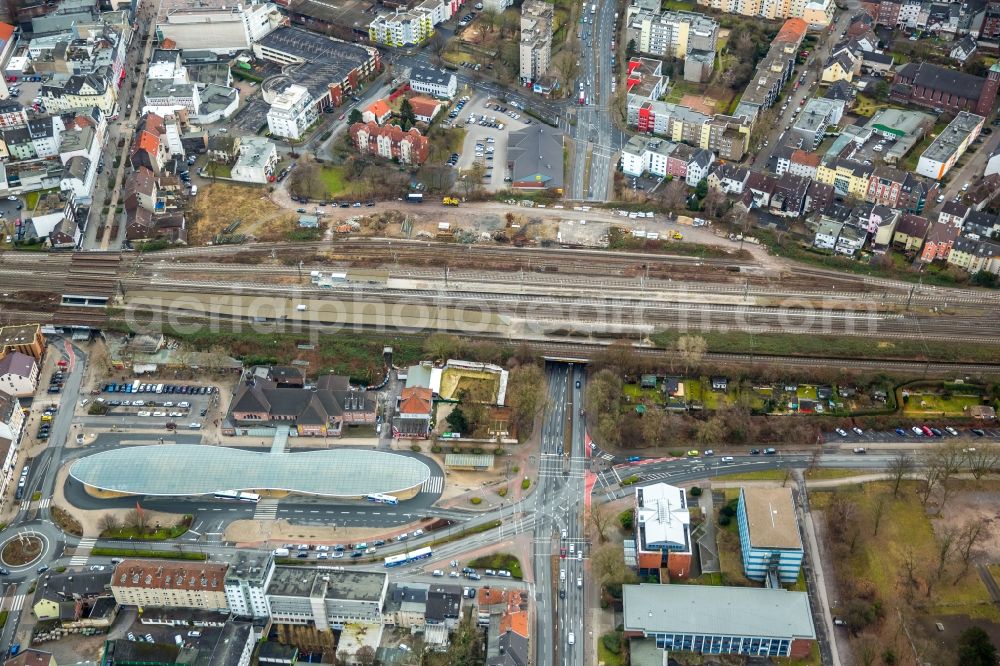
(381, 499)
(407, 558)
(249, 497)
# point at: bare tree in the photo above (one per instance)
(878, 508)
(843, 513)
(108, 523)
(945, 543)
(983, 459)
(946, 460)
(867, 649)
(691, 349)
(137, 520)
(715, 203)
(970, 535)
(600, 518)
(930, 478)
(365, 655)
(609, 565)
(899, 467)
(909, 568)
(674, 195)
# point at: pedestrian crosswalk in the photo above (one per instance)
(16, 603)
(267, 509)
(435, 484)
(44, 503)
(40, 504)
(82, 553)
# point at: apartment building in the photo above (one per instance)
(536, 39)
(170, 584)
(817, 13)
(246, 582)
(218, 26)
(291, 113)
(402, 28)
(773, 71)
(391, 142)
(816, 116)
(675, 34)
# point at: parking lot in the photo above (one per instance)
(156, 405)
(477, 144)
(913, 432)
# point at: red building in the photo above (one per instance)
(942, 88)
(391, 142)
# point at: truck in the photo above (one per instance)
(449, 201)
(415, 197)
(281, 552)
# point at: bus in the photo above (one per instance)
(382, 499)
(227, 495)
(249, 497)
(407, 558)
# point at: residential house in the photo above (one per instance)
(851, 239)
(76, 599)
(325, 411)
(258, 158)
(819, 196)
(149, 147)
(442, 614)
(877, 63)
(842, 65)
(12, 422)
(939, 241)
(760, 186)
(788, 198)
(391, 142)
(414, 413)
(841, 90)
(377, 112)
(697, 168)
(292, 112)
(506, 615)
(223, 147)
(140, 190)
(812, 122)
(954, 213)
(18, 374)
(728, 178)
(799, 163)
(827, 234)
(849, 177)
(142, 225)
(963, 49)
(910, 232)
(984, 192)
(425, 109)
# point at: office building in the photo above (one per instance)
(769, 532)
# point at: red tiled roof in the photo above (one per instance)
(794, 30)
(415, 400)
(424, 106)
(6, 31)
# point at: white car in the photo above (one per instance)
(194, 425)
(175, 415)
(857, 430)
(168, 404)
(184, 404)
(159, 413)
(841, 432)
(11, 198)
(437, 573)
(337, 554)
(322, 549)
(143, 414)
(453, 574)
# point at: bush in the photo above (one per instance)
(695, 491)
(724, 519)
(630, 480)
(625, 519)
(515, 469)
(435, 449)
(499, 451)
(613, 642)
(525, 484)
(502, 492)
(476, 500)
(416, 448)
(478, 451)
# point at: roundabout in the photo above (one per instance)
(23, 549)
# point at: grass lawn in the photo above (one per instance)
(730, 556)
(679, 5)
(498, 561)
(866, 106)
(642, 396)
(758, 475)
(444, 142)
(681, 88)
(161, 534)
(31, 200)
(904, 528)
(806, 392)
(934, 404)
(706, 579)
(335, 180)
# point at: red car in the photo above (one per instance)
(562, 552)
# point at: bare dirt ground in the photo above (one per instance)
(277, 532)
(221, 204)
(966, 506)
